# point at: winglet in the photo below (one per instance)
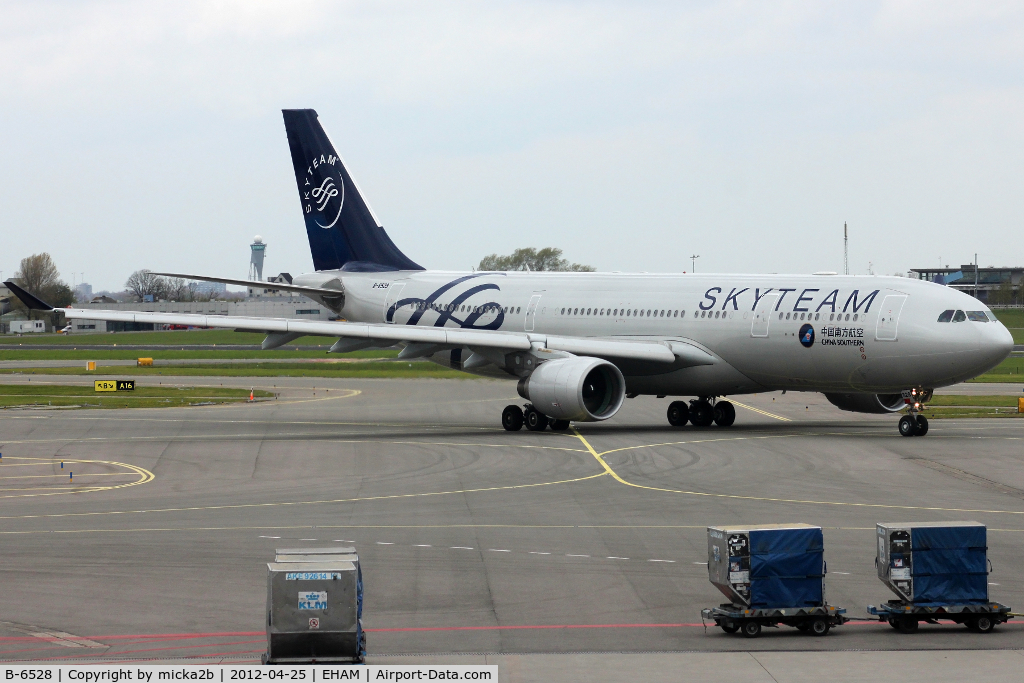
(33, 302)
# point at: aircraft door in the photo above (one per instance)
(531, 312)
(763, 315)
(394, 292)
(889, 317)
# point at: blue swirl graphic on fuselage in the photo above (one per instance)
(448, 311)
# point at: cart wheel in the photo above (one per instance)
(907, 625)
(984, 624)
(751, 629)
(803, 626)
(729, 629)
(892, 622)
(820, 627)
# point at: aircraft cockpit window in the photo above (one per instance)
(959, 317)
(992, 316)
(946, 316)
(977, 316)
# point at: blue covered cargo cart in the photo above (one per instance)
(939, 571)
(772, 574)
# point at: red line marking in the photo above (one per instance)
(523, 627)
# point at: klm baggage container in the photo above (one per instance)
(314, 609)
(768, 566)
(934, 562)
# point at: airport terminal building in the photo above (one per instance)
(995, 286)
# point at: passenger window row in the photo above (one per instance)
(625, 312)
(952, 316)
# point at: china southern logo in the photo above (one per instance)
(321, 197)
(807, 336)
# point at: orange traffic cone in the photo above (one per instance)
(251, 396)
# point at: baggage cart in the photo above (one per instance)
(905, 617)
(815, 621)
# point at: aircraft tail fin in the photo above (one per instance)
(343, 231)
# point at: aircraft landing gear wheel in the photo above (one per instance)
(922, 425)
(678, 415)
(559, 425)
(724, 414)
(751, 629)
(701, 414)
(820, 627)
(512, 418)
(535, 422)
(908, 425)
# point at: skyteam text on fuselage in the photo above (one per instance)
(577, 344)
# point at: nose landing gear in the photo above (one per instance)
(914, 423)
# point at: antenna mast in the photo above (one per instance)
(846, 251)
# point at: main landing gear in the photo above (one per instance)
(514, 418)
(701, 412)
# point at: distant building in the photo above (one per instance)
(293, 307)
(83, 292)
(261, 292)
(987, 284)
(211, 288)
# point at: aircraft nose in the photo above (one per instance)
(996, 343)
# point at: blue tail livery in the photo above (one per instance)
(343, 231)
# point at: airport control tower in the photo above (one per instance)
(259, 249)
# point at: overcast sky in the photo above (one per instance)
(631, 135)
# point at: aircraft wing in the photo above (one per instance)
(439, 337)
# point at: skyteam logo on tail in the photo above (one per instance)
(324, 190)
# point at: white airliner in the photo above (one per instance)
(580, 343)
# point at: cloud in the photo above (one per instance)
(739, 130)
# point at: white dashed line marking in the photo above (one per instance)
(498, 550)
(384, 543)
(461, 547)
(568, 555)
(534, 552)
(843, 573)
(342, 540)
(672, 561)
(422, 546)
(993, 584)
(270, 537)
(616, 558)
(308, 539)
(700, 562)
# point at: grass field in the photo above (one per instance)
(1013, 318)
(20, 395)
(28, 353)
(170, 337)
(971, 406)
(1010, 370)
(369, 370)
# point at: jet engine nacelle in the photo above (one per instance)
(579, 388)
(867, 403)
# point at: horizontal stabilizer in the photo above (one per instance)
(284, 287)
